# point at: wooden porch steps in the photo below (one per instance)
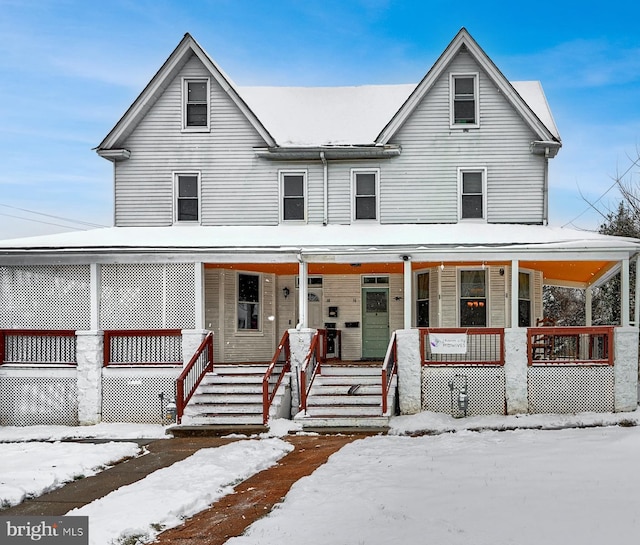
(348, 397)
(230, 397)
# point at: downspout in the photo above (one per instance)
(545, 189)
(325, 218)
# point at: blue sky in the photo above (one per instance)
(69, 69)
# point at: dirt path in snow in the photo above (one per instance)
(255, 497)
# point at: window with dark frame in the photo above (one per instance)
(524, 299)
(365, 195)
(464, 100)
(293, 197)
(187, 197)
(422, 300)
(196, 104)
(473, 298)
(248, 302)
(472, 195)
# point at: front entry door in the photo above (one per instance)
(375, 322)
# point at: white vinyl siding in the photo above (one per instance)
(421, 186)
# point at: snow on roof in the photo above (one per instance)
(316, 116)
(533, 95)
(291, 238)
(312, 116)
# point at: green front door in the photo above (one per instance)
(375, 322)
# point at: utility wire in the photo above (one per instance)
(79, 222)
(40, 221)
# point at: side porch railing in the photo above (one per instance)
(272, 377)
(570, 345)
(199, 365)
(38, 347)
(473, 346)
(389, 369)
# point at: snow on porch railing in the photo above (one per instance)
(272, 379)
(570, 345)
(199, 365)
(484, 346)
(389, 369)
(142, 347)
(36, 346)
(310, 368)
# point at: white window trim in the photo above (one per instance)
(476, 95)
(354, 172)
(531, 299)
(483, 171)
(487, 292)
(185, 95)
(281, 176)
(250, 332)
(176, 175)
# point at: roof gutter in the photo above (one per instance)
(325, 167)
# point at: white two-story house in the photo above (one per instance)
(252, 212)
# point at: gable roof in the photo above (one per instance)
(463, 40)
(180, 55)
(316, 117)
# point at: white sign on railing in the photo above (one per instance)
(448, 343)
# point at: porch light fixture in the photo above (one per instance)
(441, 266)
(285, 292)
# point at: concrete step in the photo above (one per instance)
(239, 369)
(343, 389)
(339, 423)
(221, 419)
(229, 388)
(242, 378)
(224, 398)
(223, 408)
(316, 399)
(357, 411)
(351, 370)
(337, 380)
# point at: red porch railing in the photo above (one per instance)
(311, 366)
(38, 346)
(272, 379)
(570, 345)
(142, 347)
(485, 346)
(199, 365)
(389, 369)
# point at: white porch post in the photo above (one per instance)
(95, 296)
(624, 296)
(408, 296)
(199, 294)
(514, 292)
(303, 298)
(588, 306)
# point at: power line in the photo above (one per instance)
(79, 222)
(40, 221)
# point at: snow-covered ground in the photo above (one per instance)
(528, 486)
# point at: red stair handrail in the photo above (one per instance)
(193, 374)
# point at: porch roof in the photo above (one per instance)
(587, 256)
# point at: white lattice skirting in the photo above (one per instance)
(132, 394)
(570, 389)
(31, 397)
(485, 389)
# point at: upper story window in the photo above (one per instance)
(248, 302)
(464, 100)
(195, 98)
(473, 298)
(472, 194)
(524, 299)
(187, 197)
(422, 299)
(292, 191)
(365, 194)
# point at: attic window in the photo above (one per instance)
(464, 100)
(195, 93)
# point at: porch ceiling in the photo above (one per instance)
(565, 273)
